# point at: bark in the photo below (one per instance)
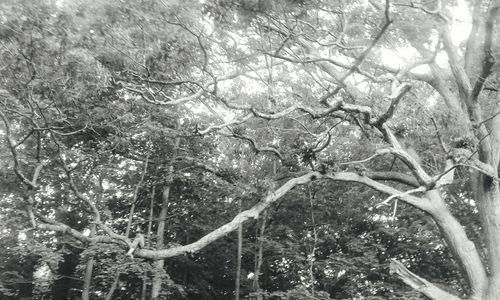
(272, 197)
(259, 256)
(159, 264)
(488, 198)
(419, 284)
(461, 79)
(473, 48)
(151, 214)
(260, 247)
(144, 287)
(238, 259)
(315, 241)
(463, 249)
(130, 217)
(87, 279)
(148, 241)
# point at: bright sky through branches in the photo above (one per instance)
(461, 20)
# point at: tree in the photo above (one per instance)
(195, 89)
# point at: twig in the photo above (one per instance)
(438, 133)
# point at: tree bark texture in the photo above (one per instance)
(87, 278)
(238, 258)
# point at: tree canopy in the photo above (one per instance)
(249, 149)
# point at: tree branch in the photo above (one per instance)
(397, 149)
(252, 213)
(421, 203)
(362, 57)
(12, 147)
(461, 78)
(392, 176)
(256, 148)
(418, 283)
(395, 98)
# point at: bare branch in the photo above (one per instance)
(12, 147)
(256, 147)
(395, 98)
(392, 176)
(421, 203)
(413, 191)
(461, 78)
(252, 213)
(362, 57)
(472, 45)
(225, 125)
(419, 284)
(150, 96)
(464, 250)
(311, 59)
(415, 166)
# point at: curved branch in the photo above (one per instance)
(420, 203)
(464, 250)
(418, 283)
(252, 213)
(416, 190)
(225, 125)
(52, 225)
(12, 147)
(409, 160)
(392, 176)
(256, 147)
(461, 78)
(398, 94)
(150, 97)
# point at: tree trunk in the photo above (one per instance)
(157, 279)
(259, 256)
(463, 249)
(151, 214)
(260, 248)
(144, 287)
(315, 241)
(87, 279)
(159, 264)
(113, 287)
(148, 241)
(488, 196)
(238, 258)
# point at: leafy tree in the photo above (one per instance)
(356, 145)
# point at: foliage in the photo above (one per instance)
(124, 119)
